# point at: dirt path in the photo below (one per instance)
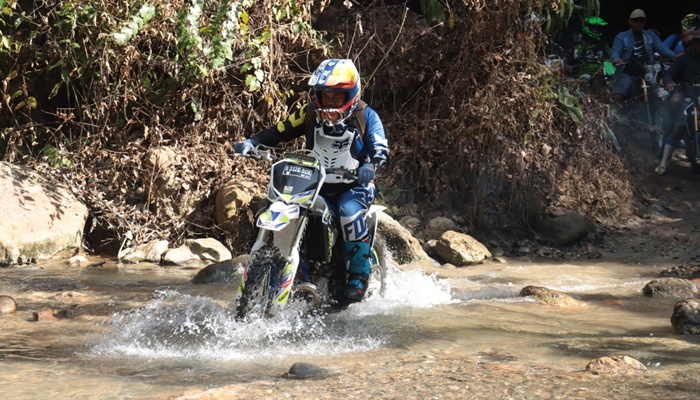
(664, 228)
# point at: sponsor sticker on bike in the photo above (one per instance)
(298, 171)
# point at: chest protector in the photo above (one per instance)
(335, 152)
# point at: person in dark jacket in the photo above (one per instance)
(684, 70)
(631, 50)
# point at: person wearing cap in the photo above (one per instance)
(630, 51)
(685, 70)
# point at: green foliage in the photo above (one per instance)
(558, 13)
(130, 28)
(433, 10)
(570, 103)
(54, 158)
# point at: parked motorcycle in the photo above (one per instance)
(692, 137)
(654, 109)
(298, 252)
(655, 98)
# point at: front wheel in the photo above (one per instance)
(659, 130)
(260, 284)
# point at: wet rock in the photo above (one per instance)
(684, 271)
(686, 317)
(615, 365)
(7, 304)
(43, 315)
(404, 247)
(549, 296)
(302, 370)
(229, 271)
(460, 249)
(65, 314)
(670, 287)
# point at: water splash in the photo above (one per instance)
(181, 326)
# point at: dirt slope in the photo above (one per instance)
(664, 229)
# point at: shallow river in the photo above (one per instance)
(143, 332)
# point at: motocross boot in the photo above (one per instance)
(665, 158)
(359, 269)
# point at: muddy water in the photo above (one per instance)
(143, 332)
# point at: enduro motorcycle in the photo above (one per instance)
(655, 100)
(650, 90)
(692, 137)
(298, 251)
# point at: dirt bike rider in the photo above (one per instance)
(685, 69)
(589, 51)
(631, 49)
(332, 131)
(678, 42)
(689, 25)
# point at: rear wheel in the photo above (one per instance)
(376, 283)
(690, 154)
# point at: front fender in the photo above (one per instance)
(277, 216)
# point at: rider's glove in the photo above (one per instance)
(365, 173)
(245, 146)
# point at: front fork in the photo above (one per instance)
(645, 91)
(287, 240)
(696, 133)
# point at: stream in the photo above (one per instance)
(144, 332)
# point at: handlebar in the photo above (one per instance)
(262, 152)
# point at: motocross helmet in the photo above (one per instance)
(690, 21)
(336, 75)
(593, 27)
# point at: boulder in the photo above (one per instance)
(437, 226)
(686, 317)
(670, 287)
(565, 229)
(460, 249)
(40, 219)
(231, 198)
(7, 304)
(197, 252)
(227, 271)
(549, 296)
(399, 241)
(149, 252)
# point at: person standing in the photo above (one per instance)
(630, 51)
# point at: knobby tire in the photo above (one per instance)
(255, 298)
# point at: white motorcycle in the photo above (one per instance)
(298, 254)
